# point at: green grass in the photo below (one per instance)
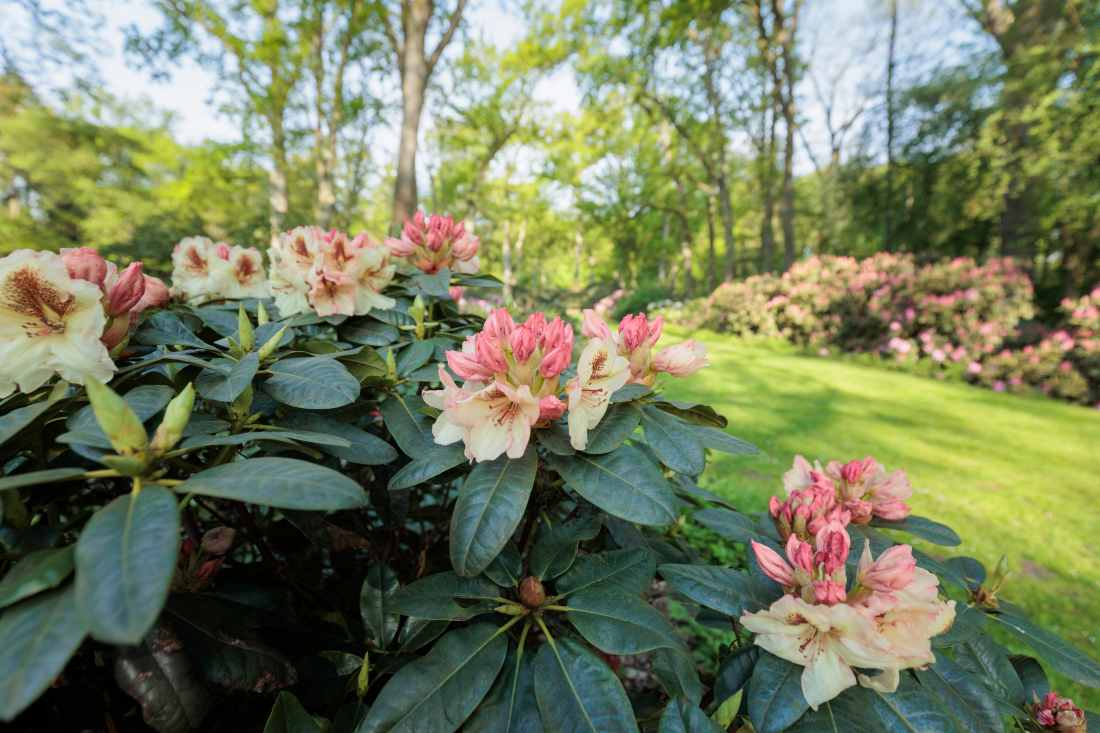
(1012, 475)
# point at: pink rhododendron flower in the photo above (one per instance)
(681, 360)
(1059, 714)
(634, 341)
(84, 263)
(432, 243)
(126, 292)
(864, 488)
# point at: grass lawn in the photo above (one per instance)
(1012, 475)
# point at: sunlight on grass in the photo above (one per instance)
(1010, 474)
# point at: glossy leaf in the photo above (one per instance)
(578, 693)
(926, 529)
(555, 437)
(677, 673)
(622, 483)
(613, 429)
(735, 670)
(1032, 676)
(37, 638)
(429, 464)
(279, 482)
(489, 508)
(291, 437)
(288, 716)
(555, 552)
(414, 356)
(730, 525)
(681, 716)
(506, 569)
(716, 439)
(165, 680)
(618, 623)
(969, 623)
(968, 568)
(963, 695)
(224, 387)
(38, 571)
(314, 384)
(629, 570)
(256, 604)
(447, 596)
(630, 392)
(913, 708)
(165, 328)
(1065, 658)
(435, 694)
(510, 705)
(419, 631)
(125, 559)
(363, 448)
(775, 694)
(692, 412)
(849, 712)
(370, 333)
(728, 591)
(411, 429)
(985, 659)
(36, 478)
(15, 421)
(229, 653)
(673, 441)
(145, 401)
(374, 604)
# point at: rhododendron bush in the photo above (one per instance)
(305, 492)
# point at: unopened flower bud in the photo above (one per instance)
(681, 360)
(401, 247)
(593, 326)
(217, 541)
(84, 263)
(829, 592)
(434, 240)
(531, 592)
(208, 569)
(272, 343)
(489, 355)
(455, 291)
(156, 294)
(187, 549)
(127, 291)
(465, 246)
(556, 361)
(244, 327)
(634, 331)
(117, 330)
(523, 342)
(176, 416)
(551, 408)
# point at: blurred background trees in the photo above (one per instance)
(663, 147)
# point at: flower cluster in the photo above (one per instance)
(634, 342)
(65, 314)
(434, 242)
(862, 489)
(325, 272)
(884, 621)
(1058, 714)
(512, 375)
(196, 570)
(206, 270)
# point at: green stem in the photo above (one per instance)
(185, 502)
(507, 626)
(523, 635)
(549, 639)
(556, 608)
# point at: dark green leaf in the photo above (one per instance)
(292, 437)
(165, 680)
(681, 716)
(775, 694)
(716, 439)
(610, 432)
(374, 604)
(166, 328)
(926, 529)
(677, 673)
(146, 401)
(913, 709)
(125, 559)
(1032, 676)
(618, 623)
(555, 552)
(447, 596)
(490, 506)
(686, 487)
(963, 695)
(849, 712)
(437, 693)
(983, 657)
(419, 631)
(555, 437)
(37, 637)
(629, 570)
(968, 624)
(1054, 650)
(15, 421)
(729, 591)
(730, 525)
(370, 333)
(968, 568)
(202, 424)
(622, 483)
(578, 693)
(350, 717)
(225, 387)
(411, 430)
(734, 671)
(414, 356)
(673, 441)
(506, 569)
(315, 384)
(279, 482)
(35, 573)
(363, 448)
(288, 716)
(630, 392)
(221, 320)
(364, 363)
(323, 678)
(693, 412)
(429, 464)
(256, 604)
(397, 316)
(311, 524)
(510, 705)
(35, 478)
(230, 654)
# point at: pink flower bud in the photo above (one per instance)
(828, 592)
(551, 408)
(634, 331)
(127, 291)
(118, 328)
(187, 548)
(556, 361)
(448, 225)
(800, 554)
(655, 327)
(224, 251)
(523, 342)
(434, 239)
(84, 263)
(773, 565)
(412, 233)
(553, 334)
(218, 540)
(465, 247)
(681, 360)
(400, 247)
(774, 505)
(209, 568)
(499, 325)
(156, 294)
(419, 221)
(893, 570)
(434, 222)
(489, 354)
(537, 323)
(593, 326)
(852, 472)
(455, 291)
(468, 367)
(891, 510)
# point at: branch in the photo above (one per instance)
(397, 46)
(667, 113)
(456, 18)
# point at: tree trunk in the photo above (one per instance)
(889, 236)
(787, 210)
(712, 256)
(506, 258)
(277, 196)
(518, 269)
(722, 177)
(414, 79)
(1078, 253)
(685, 241)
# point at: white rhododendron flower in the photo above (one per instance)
(600, 371)
(50, 324)
(203, 270)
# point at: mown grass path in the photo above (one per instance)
(1012, 475)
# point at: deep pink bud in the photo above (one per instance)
(523, 342)
(455, 291)
(800, 554)
(593, 326)
(893, 570)
(499, 325)
(773, 565)
(127, 291)
(466, 366)
(156, 294)
(852, 472)
(223, 251)
(412, 233)
(117, 329)
(434, 222)
(434, 239)
(537, 323)
(419, 221)
(634, 331)
(217, 541)
(399, 247)
(84, 263)
(448, 225)
(556, 361)
(774, 505)
(655, 327)
(187, 548)
(551, 408)
(209, 568)
(489, 354)
(553, 333)
(829, 592)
